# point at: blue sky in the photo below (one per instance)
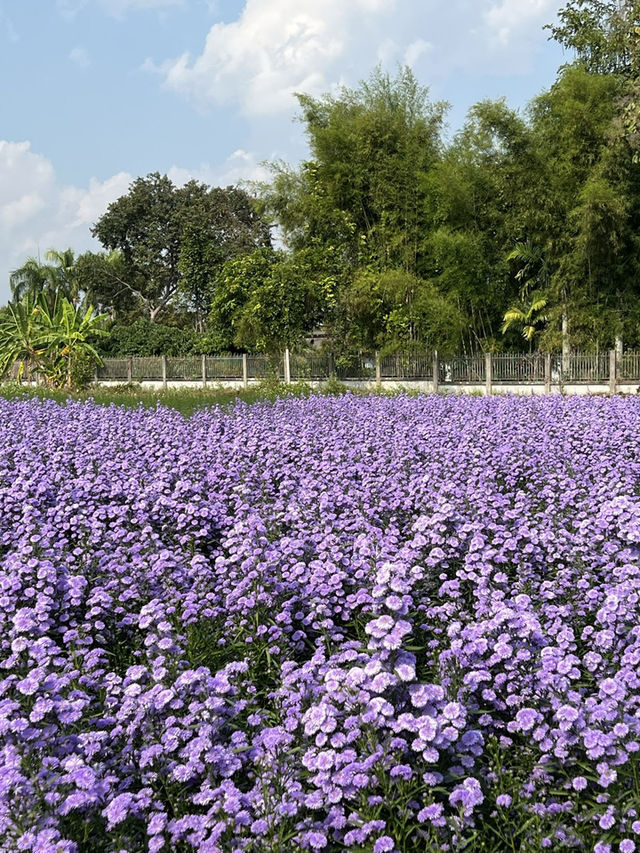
(98, 92)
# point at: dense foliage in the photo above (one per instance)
(53, 341)
(172, 240)
(327, 624)
(142, 337)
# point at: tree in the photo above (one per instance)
(527, 316)
(582, 220)
(166, 238)
(395, 311)
(605, 36)
(66, 334)
(50, 280)
(21, 329)
(142, 337)
(50, 341)
(62, 273)
(31, 279)
(107, 283)
(602, 33)
(474, 198)
(533, 269)
(360, 191)
(266, 301)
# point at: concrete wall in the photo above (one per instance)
(424, 386)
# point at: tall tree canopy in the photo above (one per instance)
(604, 34)
(172, 240)
(360, 191)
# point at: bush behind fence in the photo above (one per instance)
(533, 368)
(476, 369)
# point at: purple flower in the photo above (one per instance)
(526, 719)
(118, 809)
(606, 821)
(259, 827)
(279, 610)
(317, 840)
(467, 795)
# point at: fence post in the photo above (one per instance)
(287, 367)
(378, 370)
(245, 370)
(204, 370)
(488, 374)
(547, 373)
(331, 365)
(129, 369)
(613, 377)
(436, 371)
(164, 372)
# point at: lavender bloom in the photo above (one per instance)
(281, 613)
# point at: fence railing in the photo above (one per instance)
(478, 369)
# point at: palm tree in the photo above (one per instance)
(534, 269)
(31, 279)
(534, 272)
(35, 278)
(527, 315)
(62, 273)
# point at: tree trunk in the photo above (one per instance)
(565, 344)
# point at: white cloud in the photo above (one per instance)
(240, 166)
(275, 48)
(38, 213)
(17, 211)
(79, 56)
(508, 18)
(414, 51)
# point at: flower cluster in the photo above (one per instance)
(358, 623)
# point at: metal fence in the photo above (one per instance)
(471, 369)
(516, 367)
(629, 366)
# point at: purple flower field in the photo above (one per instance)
(357, 623)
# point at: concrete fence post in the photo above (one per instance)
(331, 365)
(245, 370)
(436, 371)
(164, 372)
(378, 370)
(129, 369)
(488, 374)
(287, 367)
(613, 372)
(547, 373)
(204, 371)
